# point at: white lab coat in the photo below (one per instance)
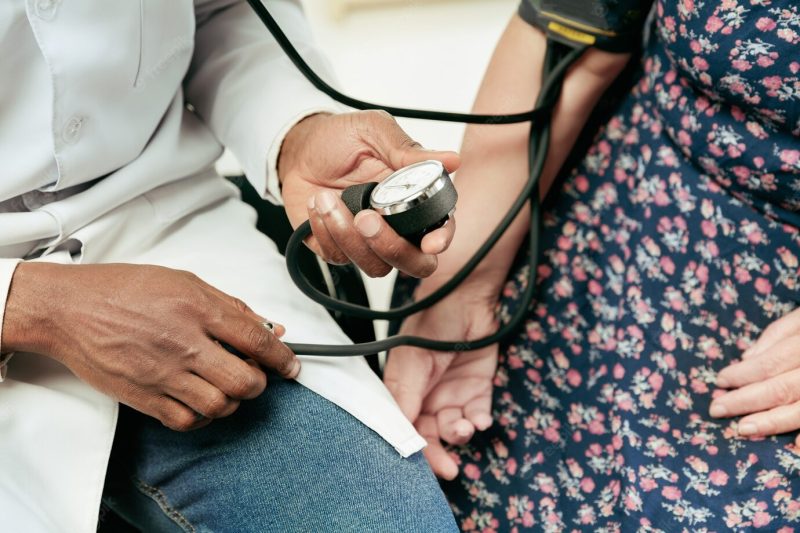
(102, 162)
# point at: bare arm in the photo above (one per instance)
(494, 158)
(448, 395)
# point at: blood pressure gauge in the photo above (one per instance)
(414, 200)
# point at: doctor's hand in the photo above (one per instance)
(448, 396)
(146, 336)
(765, 385)
(323, 155)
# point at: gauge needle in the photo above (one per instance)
(403, 186)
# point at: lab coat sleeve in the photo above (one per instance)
(246, 89)
(7, 268)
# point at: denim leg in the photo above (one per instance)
(288, 461)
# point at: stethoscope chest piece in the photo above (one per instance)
(413, 200)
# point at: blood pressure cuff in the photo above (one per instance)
(611, 25)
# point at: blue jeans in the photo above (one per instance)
(287, 461)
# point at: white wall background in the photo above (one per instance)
(412, 53)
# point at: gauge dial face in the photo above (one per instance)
(407, 183)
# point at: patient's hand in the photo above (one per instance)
(766, 383)
(323, 155)
(447, 395)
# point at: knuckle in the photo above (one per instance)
(379, 115)
(189, 353)
(240, 306)
(408, 142)
(393, 250)
(259, 340)
(216, 405)
(377, 270)
(765, 367)
(783, 392)
(179, 420)
(244, 385)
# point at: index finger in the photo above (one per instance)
(756, 397)
(781, 357)
(256, 340)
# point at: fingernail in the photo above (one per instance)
(325, 202)
(747, 429)
(368, 224)
(483, 421)
(463, 429)
(311, 202)
(295, 369)
(718, 410)
(722, 382)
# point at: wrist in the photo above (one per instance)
(30, 307)
(291, 149)
(478, 289)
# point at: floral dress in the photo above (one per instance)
(667, 251)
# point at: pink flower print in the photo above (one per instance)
(511, 466)
(788, 35)
(514, 361)
(472, 471)
(718, 478)
(656, 381)
(772, 82)
(794, 67)
(533, 375)
(713, 24)
(500, 449)
(761, 519)
(741, 64)
(742, 275)
(763, 286)
(551, 434)
(733, 518)
(671, 493)
(596, 427)
(667, 265)
(527, 519)
(668, 341)
(647, 484)
(765, 24)
(698, 465)
(734, 150)
(790, 157)
(787, 257)
(587, 484)
(765, 61)
(709, 228)
(700, 63)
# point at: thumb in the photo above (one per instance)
(399, 150)
(407, 376)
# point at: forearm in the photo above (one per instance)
(495, 162)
